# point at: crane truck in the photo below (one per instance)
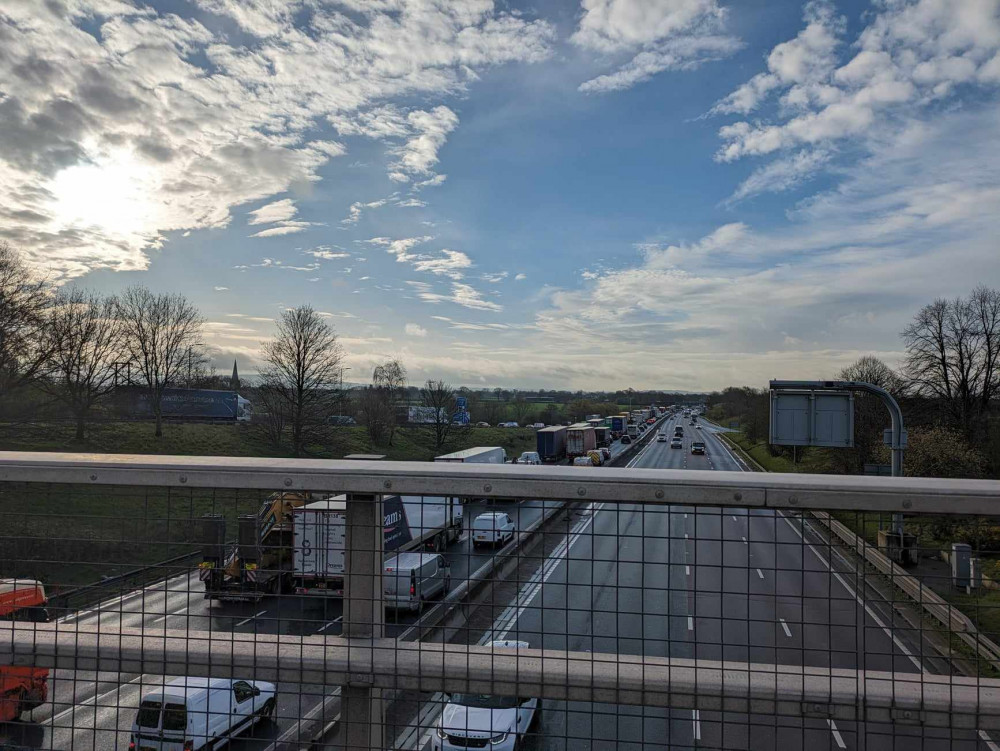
(22, 687)
(260, 561)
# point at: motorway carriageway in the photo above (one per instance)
(716, 584)
(90, 711)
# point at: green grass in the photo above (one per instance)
(759, 453)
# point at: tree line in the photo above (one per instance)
(947, 386)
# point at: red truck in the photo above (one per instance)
(22, 688)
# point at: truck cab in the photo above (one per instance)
(23, 687)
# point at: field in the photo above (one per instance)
(70, 535)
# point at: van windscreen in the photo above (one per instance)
(149, 715)
(174, 717)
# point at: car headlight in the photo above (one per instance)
(441, 733)
(498, 738)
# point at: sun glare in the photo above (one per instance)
(115, 194)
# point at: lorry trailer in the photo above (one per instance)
(22, 687)
(580, 438)
(410, 523)
(551, 443)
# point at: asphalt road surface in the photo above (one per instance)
(716, 584)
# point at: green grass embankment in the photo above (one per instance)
(69, 535)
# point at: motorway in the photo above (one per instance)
(90, 711)
(714, 584)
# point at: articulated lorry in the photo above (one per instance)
(619, 424)
(551, 443)
(410, 523)
(260, 562)
(22, 687)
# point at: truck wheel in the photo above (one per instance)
(268, 711)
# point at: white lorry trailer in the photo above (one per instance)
(476, 455)
(411, 523)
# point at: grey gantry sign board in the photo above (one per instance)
(812, 418)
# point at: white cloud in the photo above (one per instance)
(660, 34)
(461, 294)
(782, 174)
(121, 124)
(412, 203)
(283, 228)
(914, 221)
(220, 289)
(448, 264)
(274, 212)
(413, 329)
(327, 252)
(520, 277)
(356, 209)
(910, 55)
(495, 277)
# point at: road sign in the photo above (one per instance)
(812, 418)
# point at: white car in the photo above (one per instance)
(498, 723)
(661, 438)
(528, 457)
(190, 714)
(492, 528)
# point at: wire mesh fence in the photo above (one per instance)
(173, 604)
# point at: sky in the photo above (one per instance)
(560, 194)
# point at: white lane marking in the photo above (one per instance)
(529, 592)
(687, 570)
(690, 623)
(94, 699)
(696, 722)
(760, 573)
(784, 625)
(338, 619)
(988, 741)
(685, 535)
(247, 620)
(164, 617)
(836, 575)
(745, 541)
(837, 738)
(734, 517)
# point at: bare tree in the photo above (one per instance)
(163, 338)
(23, 300)
(389, 380)
(270, 412)
(83, 335)
(441, 397)
(374, 410)
(953, 350)
(303, 368)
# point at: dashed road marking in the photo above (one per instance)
(788, 631)
(247, 620)
(690, 623)
(837, 737)
(760, 573)
(745, 541)
(696, 722)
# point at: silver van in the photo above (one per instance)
(191, 714)
(410, 579)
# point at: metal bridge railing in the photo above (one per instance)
(687, 587)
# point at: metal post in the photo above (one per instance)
(362, 709)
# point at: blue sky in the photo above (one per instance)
(583, 194)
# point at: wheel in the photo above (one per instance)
(269, 711)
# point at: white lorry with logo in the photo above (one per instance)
(410, 523)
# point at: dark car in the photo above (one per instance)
(626, 439)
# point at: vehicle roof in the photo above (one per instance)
(552, 429)
(187, 688)
(410, 560)
(491, 514)
(9, 585)
(337, 503)
(475, 451)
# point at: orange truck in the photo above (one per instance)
(22, 688)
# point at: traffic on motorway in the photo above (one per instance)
(290, 582)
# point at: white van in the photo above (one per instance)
(189, 714)
(410, 579)
(492, 528)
